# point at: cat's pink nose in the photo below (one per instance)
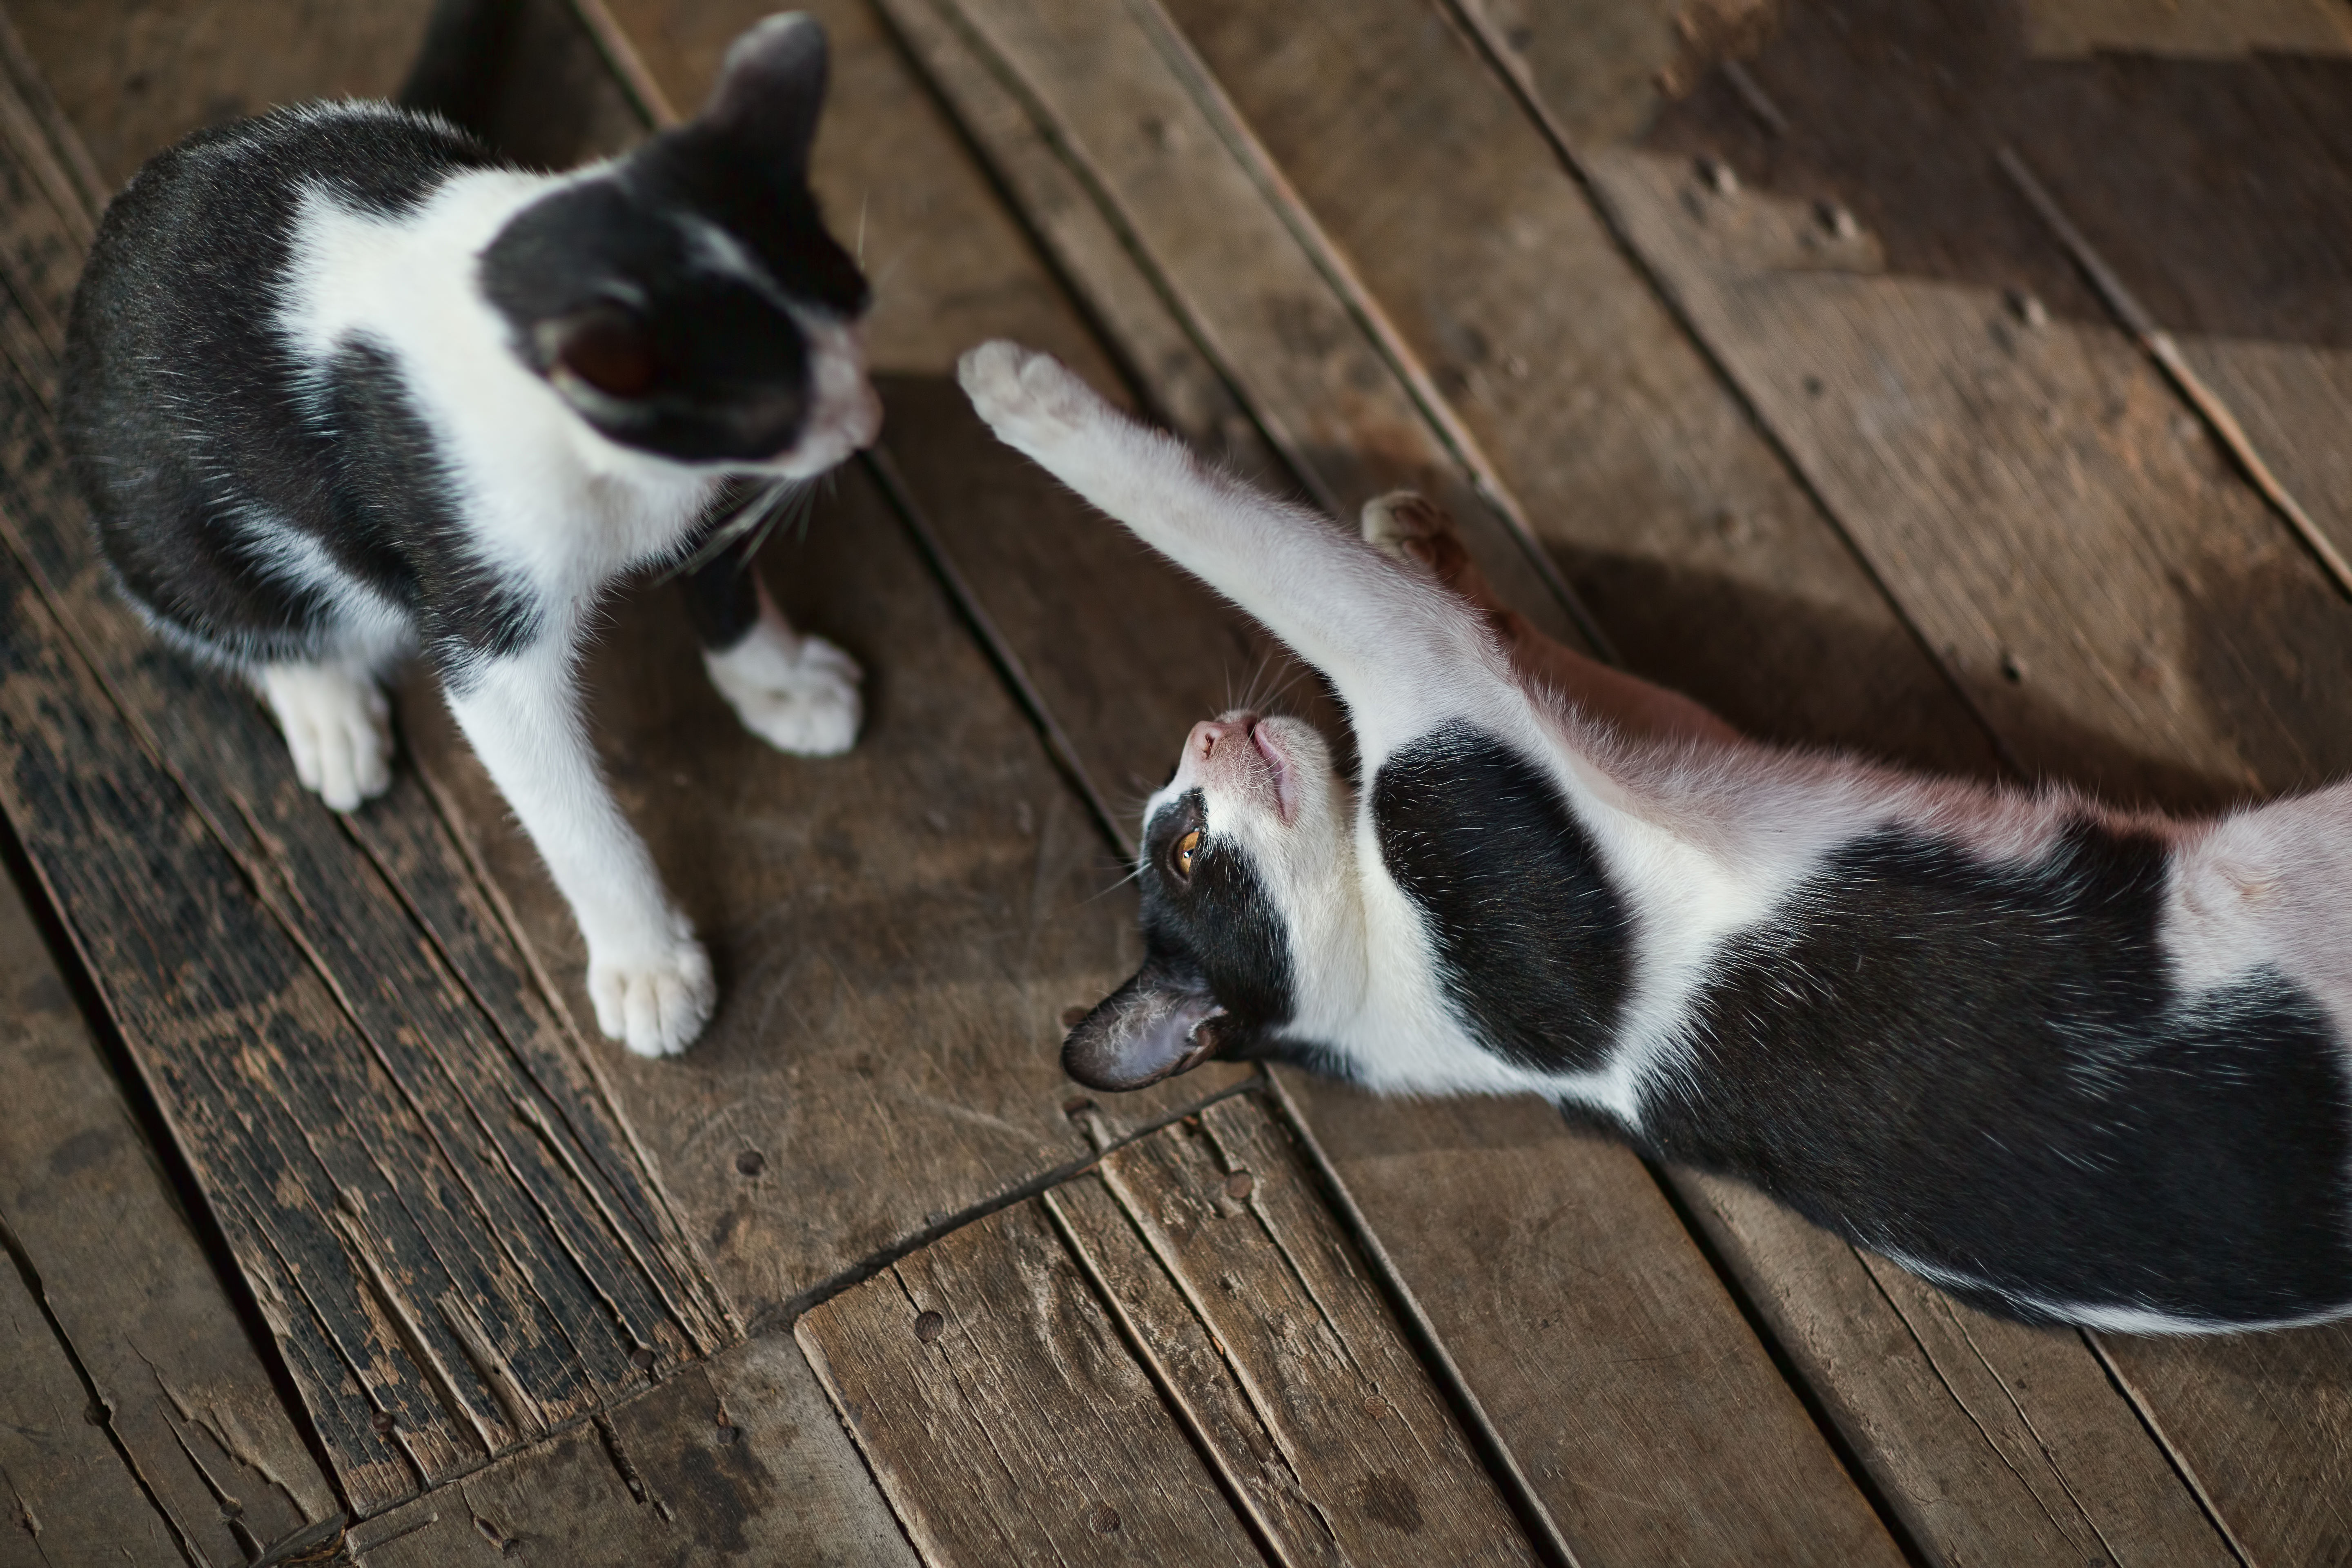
(1210, 734)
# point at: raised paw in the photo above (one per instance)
(797, 693)
(654, 1002)
(338, 727)
(1031, 400)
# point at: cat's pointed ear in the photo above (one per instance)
(771, 87)
(1156, 1025)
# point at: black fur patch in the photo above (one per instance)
(1987, 1070)
(181, 408)
(1533, 942)
(397, 527)
(1219, 926)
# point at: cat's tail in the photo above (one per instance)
(461, 69)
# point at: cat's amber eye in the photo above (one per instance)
(1185, 847)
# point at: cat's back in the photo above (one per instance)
(191, 254)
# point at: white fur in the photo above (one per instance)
(1702, 843)
(558, 512)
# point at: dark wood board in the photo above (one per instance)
(740, 1460)
(93, 1225)
(1005, 1415)
(438, 1266)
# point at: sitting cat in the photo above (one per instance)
(2072, 1063)
(340, 384)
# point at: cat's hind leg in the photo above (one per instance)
(337, 725)
(1414, 530)
(798, 693)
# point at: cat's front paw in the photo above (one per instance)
(654, 1002)
(797, 693)
(338, 727)
(1032, 401)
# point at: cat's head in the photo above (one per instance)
(1249, 905)
(687, 300)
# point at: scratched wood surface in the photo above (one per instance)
(141, 1417)
(1195, 1287)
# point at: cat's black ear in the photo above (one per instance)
(771, 87)
(1156, 1025)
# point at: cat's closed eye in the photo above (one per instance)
(608, 349)
(1180, 858)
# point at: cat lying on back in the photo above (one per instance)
(340, 384)
(2072, 1064)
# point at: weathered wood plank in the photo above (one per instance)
(134, 79)
(1333, 389)
(128, 1287)
(739, 1459)
(71, 1495)
(1225, 1205)
(1710, 568)
(498, 1259)
(1005, 1414)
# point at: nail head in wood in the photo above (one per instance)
(642, 1359)
(1240, 1185)
(928, 1326)
(750, 1163)
(1102, 1518)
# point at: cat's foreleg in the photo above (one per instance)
(647, 976)
(337, 725)
(1398, 647)
(798, 693)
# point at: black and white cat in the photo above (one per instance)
(2072, 1063)
(340, 385)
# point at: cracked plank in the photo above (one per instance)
(1005, 1414)
(129, 1283)
(69, 1493)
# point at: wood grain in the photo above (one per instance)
(740, 1460)
(1226, 1206)
(128, 1291)
(1624, 1379)
(1015, 1423)
(1701, 555)
(1180, 175)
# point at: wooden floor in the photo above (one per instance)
(1970, 385)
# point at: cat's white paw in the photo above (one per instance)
(797, 693)
(1032, 401)
(654, 1002)
(338, 726)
